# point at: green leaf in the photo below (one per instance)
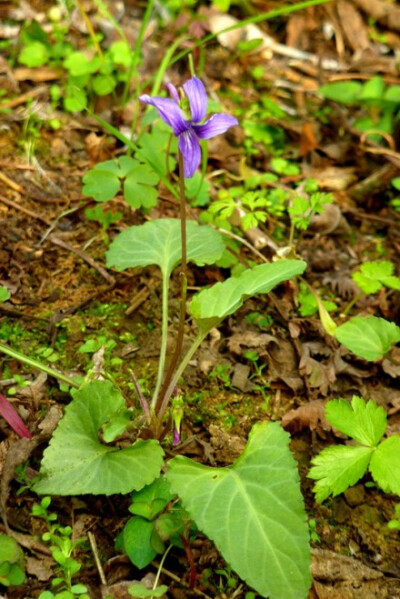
(392, 94)
(396, 183)
(337, 468)
(211, 305)
(141, 592)
(121, 53)
(103, 84)
(34, 54)
(76, 462)
(373, 275)
(368, 336)
(138, 186)
(158, 242)
(153, 148)
(347, 92)
(152, 499)
(197, 190)
(75, 99)
(253, 511)
(102, 182)
(373, 90)
(79, 63)
(364, 422)
(10, 551)
(16, 575)
(385, 465)
(4, 294)
(136, 538)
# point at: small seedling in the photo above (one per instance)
(308, 304)
(157, 519)
(221, 372)
(371, 277)
(380, 104)
(314, 536)
(61, 547)
(12, 562)
(337, 468)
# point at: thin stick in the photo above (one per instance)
(176, 578)
(85, 257)
(93, 545)
(38, 365)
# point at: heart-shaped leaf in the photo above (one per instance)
(159, 242)
(253, 511)
(76, 462)
(368, 336)
(211, 305)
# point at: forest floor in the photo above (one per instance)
(272, 360)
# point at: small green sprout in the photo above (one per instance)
(62, 547)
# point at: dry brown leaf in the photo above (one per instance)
(321, 374)
(391, 364)
(308, 139)
(328, 565)
(335, 178)
(249, 339)
(331, 220)
(311, 415)
(354, 27)
(40, 568)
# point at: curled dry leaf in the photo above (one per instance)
(321, 373)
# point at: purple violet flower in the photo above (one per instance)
(189, 131)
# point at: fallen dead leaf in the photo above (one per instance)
(40, 568)
(311, 415)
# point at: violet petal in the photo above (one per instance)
(169, 111)
(196, 94)
(176, 439)
(190, 148)
(217, 124)
(173, 92)
(12, 417)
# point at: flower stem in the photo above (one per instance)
(163, 398)
(352, 302)
(164, 338)
(179, 371)
(39, 365)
